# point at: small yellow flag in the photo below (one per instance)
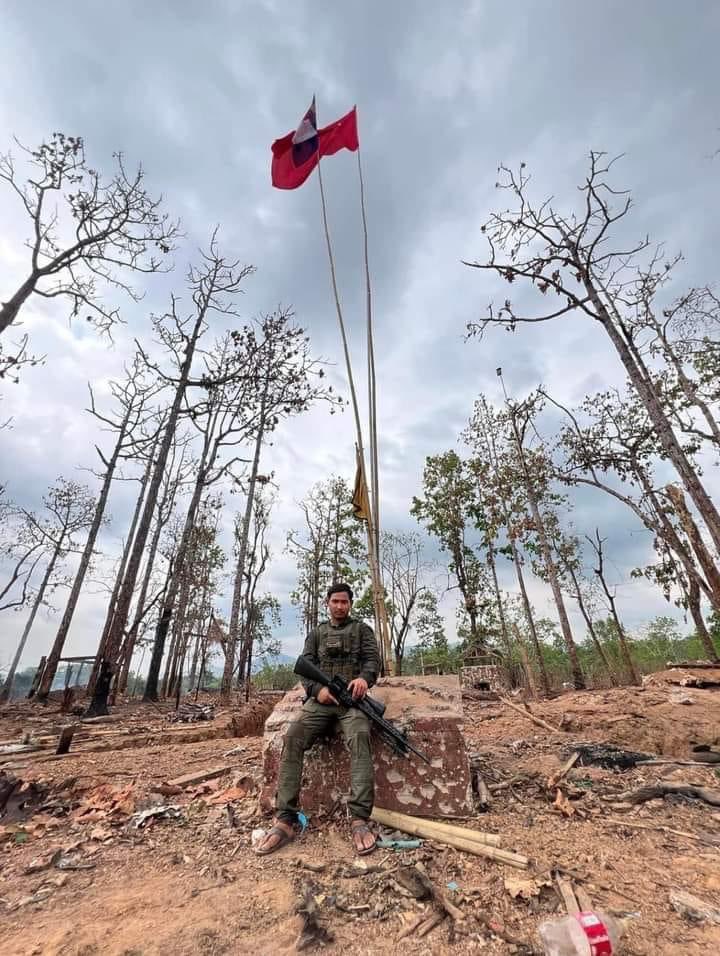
(360, 500)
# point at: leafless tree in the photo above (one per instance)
(223, 419)
(179, 471)
(132, 396)
(22, 548)
(287, 381)
(69, 510)
(86, 231)
(404, 573)
(572, 261)
(329, 547)
(213, 286)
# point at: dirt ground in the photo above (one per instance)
(90, 863)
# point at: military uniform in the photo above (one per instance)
(348, 649)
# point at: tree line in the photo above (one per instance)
(188, 419)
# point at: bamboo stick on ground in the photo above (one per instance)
(428, 830)
(398, 820)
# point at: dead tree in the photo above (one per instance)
(223, 419)
(212, 288)
(132, 397)
(617, 439)
(86, 231)
(571, 261)
(70, 509)
(177, 476)
(329, 548)
(23, 548)
(287, 381)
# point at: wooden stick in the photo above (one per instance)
(430, 924)
(526, 713)
(664, 787)
(583, 898)
(420, 828)
(660, 827)
(412, 926)
(565, 889)
(483, 794)
(401, 821)
(555, 778)
(676, 763)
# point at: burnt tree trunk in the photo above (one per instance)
(125, 595)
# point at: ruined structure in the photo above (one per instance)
(430, 709)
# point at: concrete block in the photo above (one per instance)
(429, 708)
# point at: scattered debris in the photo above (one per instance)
(555, 778)
(386, 844)
(192, 713)
(171, 811)
(312, 933)
(666, 788)
(199, 776)
(693, 909)
(609, 757)
(525, 889)
(707, 838)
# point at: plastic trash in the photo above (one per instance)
(582, 934)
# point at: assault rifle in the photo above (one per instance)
(373, 709)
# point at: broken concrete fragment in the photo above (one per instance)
(430, 709)
(198, 776)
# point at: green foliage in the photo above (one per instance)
(275, 677)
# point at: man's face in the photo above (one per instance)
(339, 606)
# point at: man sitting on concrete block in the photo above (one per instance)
(346, 646)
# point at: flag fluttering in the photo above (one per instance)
(296, 155)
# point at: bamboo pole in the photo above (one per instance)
(373, 549)
(462, 838)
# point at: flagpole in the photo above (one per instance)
(379, 604)
(372, 383)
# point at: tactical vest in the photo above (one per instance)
(339, 649)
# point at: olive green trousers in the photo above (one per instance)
(317, 720)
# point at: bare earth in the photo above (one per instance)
(82, 874)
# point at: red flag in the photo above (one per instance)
(296, 155)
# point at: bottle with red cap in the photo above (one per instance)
(582, 934)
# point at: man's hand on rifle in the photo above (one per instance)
(359, 688)
(325, 697)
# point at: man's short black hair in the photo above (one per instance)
(340, 589)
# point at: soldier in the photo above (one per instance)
(346, 646)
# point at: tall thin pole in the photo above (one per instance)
(372, 389)
(372, 542)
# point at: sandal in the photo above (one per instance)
(359, 829)
(283, 839)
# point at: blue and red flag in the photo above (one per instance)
(295, 155)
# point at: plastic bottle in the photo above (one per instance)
(583, 934)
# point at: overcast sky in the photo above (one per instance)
(198, 92)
